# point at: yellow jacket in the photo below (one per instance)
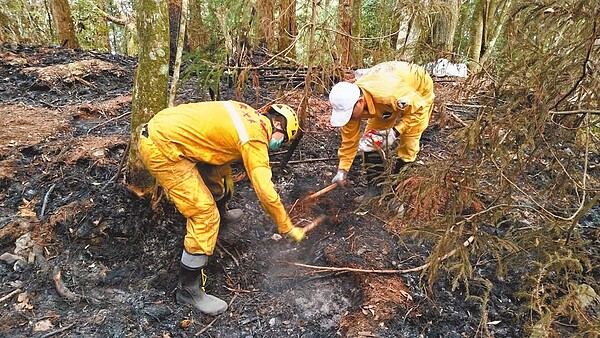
(205, 132)
(397, 90)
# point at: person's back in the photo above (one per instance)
(204, 131)
(413, 75)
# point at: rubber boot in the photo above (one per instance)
(373, 163)
(190, 291)
(398, 166)
(228, 216)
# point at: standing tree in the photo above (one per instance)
(287, 28)
(151, 80)
(63, 21)
(265, 22)
(197, 36)
(344, 42)
(445, 20)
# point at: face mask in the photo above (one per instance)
(274, 144)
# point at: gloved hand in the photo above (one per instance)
(370, 141)
(296, 234)
(340, 177)
(388, 135)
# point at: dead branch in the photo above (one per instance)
(574, 112)
(46, 198)
(384, 271)
(229, 253)
(306, 160)
(61, 288)
(108, 121)
(57, 331)
(14, 292)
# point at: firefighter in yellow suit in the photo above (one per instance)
(396, 99)
(188, 149)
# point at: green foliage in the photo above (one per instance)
(24, 22)
(527, 155)
(206, 74)
(90, 25)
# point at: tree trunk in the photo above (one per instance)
(476, 35)
(196, 34)
(266, 19)
(63, 22)
(407, 33)
(180, 45)
(151, 80)
(345, 44)
(287, 28)
(102, 28)
(497, 16)
(444, 27)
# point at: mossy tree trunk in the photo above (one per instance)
(63, 22)
(476, 35)
(197, 36)
(151, 81)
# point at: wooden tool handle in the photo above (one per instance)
(321, 192)
(313, 224)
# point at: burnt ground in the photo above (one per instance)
(97, 261)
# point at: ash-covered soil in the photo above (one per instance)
(87, 258)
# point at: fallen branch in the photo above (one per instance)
(61, 288)
(385, 271)
(229, 253)
(108, 121)
(454, 116)
(307, 160)
(46, 197)
(14, 292)
(57, 331)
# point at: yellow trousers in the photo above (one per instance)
(191, 192)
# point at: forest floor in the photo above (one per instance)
(84, 257)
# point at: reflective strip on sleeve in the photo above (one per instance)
(237, 121)
(192, 261)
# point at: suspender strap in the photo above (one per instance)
(237, 121)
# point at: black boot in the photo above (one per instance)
(190, 291)
(228, 216)
(374, 167)
(398, 166)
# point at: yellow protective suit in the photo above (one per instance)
(384, 88)
(213, 135)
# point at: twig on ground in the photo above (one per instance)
(385, 271)
(454, 116)
(61, 288)
(307, 160)
(14, 292)
(57, 331)
(46, 198)
(229, 253)
(120, 167)
(208, 326)
(240, 290)
(108, 121)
